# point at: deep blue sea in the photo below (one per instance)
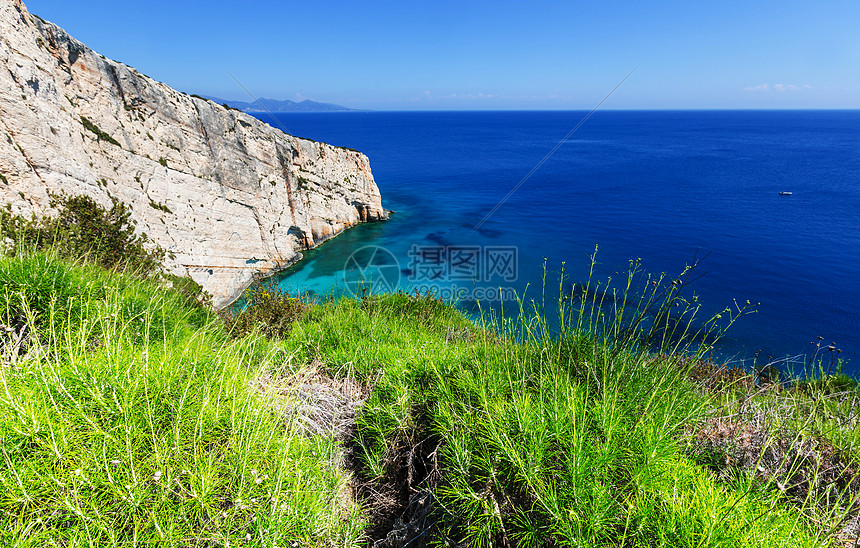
(662, 186)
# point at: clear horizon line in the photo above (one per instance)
(356, 110)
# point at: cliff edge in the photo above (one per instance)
(229, 197)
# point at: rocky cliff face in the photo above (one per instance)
(229, 197)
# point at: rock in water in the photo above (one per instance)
(229, 197)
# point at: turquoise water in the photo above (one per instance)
(661, 186)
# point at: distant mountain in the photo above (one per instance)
(274, 105)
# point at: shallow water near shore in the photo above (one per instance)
(665, 187)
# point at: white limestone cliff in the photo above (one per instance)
(229, 197)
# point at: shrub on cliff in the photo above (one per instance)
(82, 227)
(267, 309)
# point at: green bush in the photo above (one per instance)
(83, 227)
(160, 207)
(98, 132)
(265, 308)
(191, 291)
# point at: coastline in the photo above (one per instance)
(706, 181)
(260, 275)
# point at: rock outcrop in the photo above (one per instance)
(229, 197)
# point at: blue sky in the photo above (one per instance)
(487, 55)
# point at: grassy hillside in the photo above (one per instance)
(131, 415)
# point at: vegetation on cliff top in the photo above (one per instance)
(130, 414)
(81, 227)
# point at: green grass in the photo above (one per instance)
(545, 442)
(130, 415)
(580, 436)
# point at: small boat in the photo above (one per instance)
(785, 193)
